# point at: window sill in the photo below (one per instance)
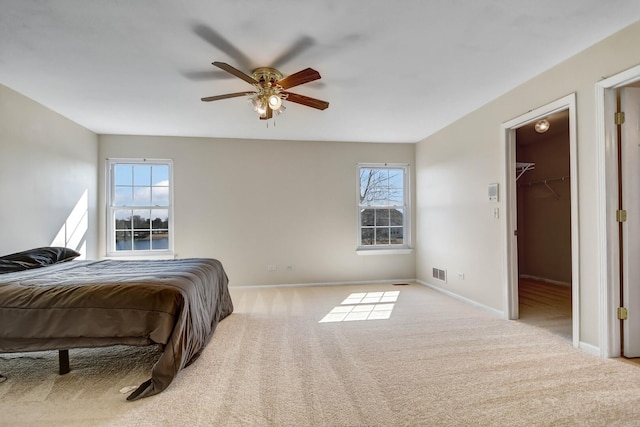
(142, 256)
(384, 251)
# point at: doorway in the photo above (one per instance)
(543, 192)
(618, 182)
(510, 207)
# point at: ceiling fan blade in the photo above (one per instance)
(229, 69)
(305, 100)
(226, 96)
(302, 44)
(305, 76)
(209, 35)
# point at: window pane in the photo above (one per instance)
(160, 239)
(160, 196)
(142, 219)
(365, 176)
(123, 174)
(142, 175)
(160, 219)
(382, 217)
(160, 175)
(382, 236)
(373, 186)
(396, 197)
(367, 217)
(396, 235)
(381, 177)
(367, 199)
(123, 196)
(141, 196)
(123, 219)
(123, 241)
(367, 236)
(380, 196)
(396, 178)
(396, 217)
(141, 241)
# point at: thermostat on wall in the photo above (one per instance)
(493, 192)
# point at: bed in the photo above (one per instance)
(50, 301)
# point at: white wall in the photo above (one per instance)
(455, 227)
(256, 203)
(48, 178)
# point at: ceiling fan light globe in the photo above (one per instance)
(261, 106)
(254, 104)
(275, 102)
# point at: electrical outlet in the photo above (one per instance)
(271, 268)
(461, 276)
(289, 267)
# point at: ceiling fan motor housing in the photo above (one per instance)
(267, 75)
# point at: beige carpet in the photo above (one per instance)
(434, 362)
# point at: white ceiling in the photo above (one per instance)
(393, 71)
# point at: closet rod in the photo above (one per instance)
(544, 181)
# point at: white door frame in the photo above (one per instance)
(607, 174)
(509, 206)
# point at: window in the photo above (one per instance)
(383, 206)
(140, 208)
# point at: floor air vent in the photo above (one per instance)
(440, 274)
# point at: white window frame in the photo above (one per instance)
(390, 249)
(111, 208)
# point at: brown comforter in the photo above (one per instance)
(176, 304)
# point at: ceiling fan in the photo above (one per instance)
(271, 89)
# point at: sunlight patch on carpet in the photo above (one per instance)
(363, 306)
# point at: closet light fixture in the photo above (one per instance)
(542, 126)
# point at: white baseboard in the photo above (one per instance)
(590, 349)
(483, 307)
(543, 279)
(299, 285)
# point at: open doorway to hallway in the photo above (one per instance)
(543, 191)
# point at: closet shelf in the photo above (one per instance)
(522, 167)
